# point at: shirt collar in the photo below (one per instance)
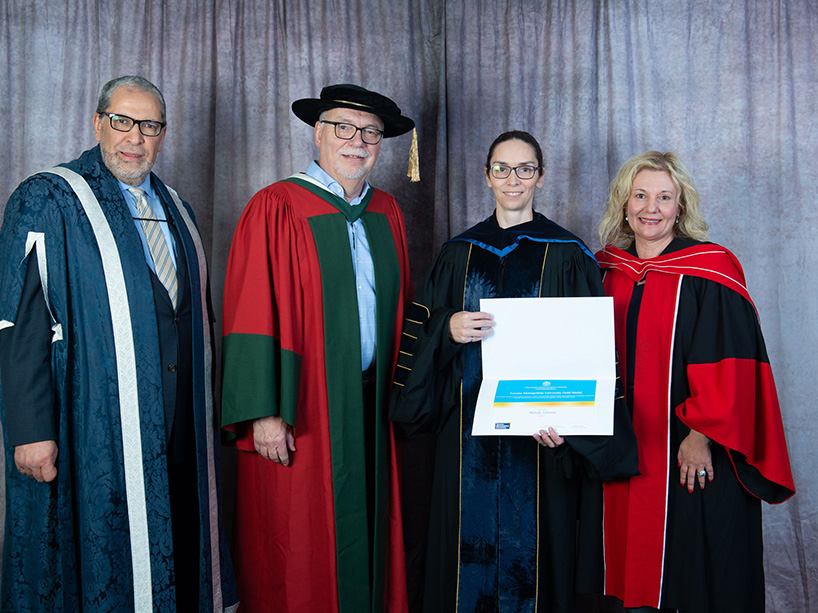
(320, 175)
(145, 185)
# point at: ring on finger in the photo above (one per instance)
(702, 473)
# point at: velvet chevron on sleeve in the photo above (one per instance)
(503, 527)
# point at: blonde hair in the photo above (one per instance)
(613, 228)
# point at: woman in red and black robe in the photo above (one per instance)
(686, 532)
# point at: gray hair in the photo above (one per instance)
(128, 81)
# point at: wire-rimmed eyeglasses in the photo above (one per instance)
(346, 131)
(123, 123)
(501, 171)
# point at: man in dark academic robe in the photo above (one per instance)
(314, 300)
(513, 525)
(105, 373)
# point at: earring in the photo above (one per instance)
(677, 220)
(626, 218)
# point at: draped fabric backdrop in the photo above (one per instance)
(730, 85)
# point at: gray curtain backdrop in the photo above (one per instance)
(728, 85)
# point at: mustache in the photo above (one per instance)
(358, 151)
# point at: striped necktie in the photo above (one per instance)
(157, 245)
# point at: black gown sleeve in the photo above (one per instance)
(717, 325)
(609, 457)
(429, 368)
(25, 368)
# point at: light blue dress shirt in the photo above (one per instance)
(361, 264)
(158, 210)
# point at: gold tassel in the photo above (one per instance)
(414, 159)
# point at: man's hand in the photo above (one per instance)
(37, 460)
(274, 439)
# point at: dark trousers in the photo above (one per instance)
(184, 514)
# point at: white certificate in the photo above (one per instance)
(549, 362)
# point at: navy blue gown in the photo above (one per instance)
(99, 537)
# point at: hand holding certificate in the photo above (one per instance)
(550, 362)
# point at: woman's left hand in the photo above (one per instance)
(695, 460)
(549, 438)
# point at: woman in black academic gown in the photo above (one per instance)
(503, 524)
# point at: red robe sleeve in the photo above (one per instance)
(263, 316)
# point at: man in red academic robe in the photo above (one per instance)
(316, 286)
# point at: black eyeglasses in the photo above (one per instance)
(501, 171)
(346, 131)
(121, 123)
